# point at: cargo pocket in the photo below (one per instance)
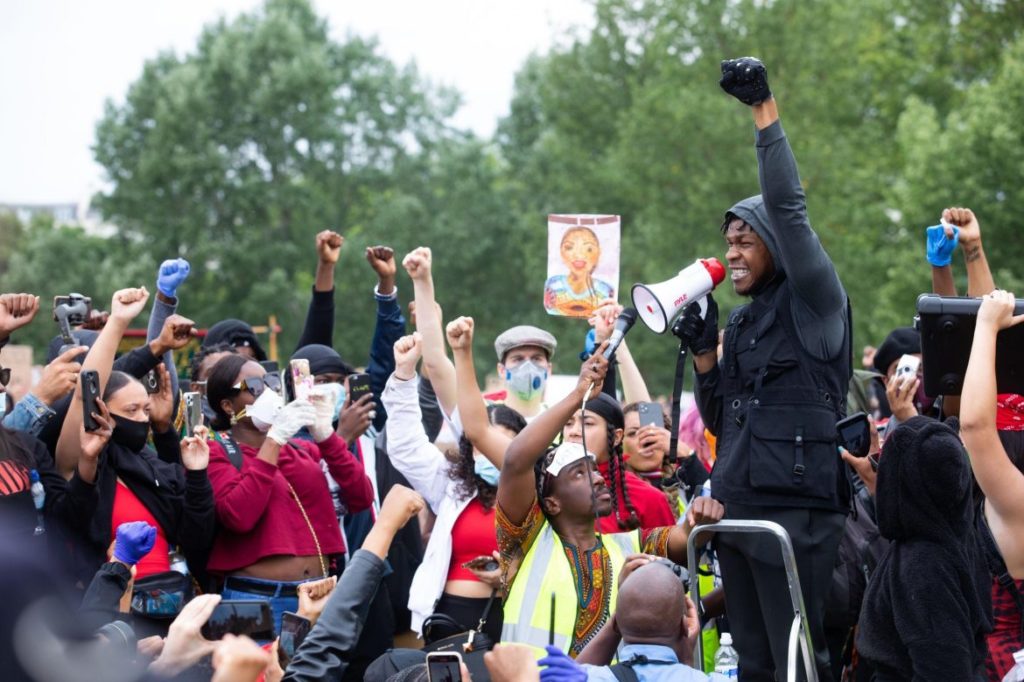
(793, 450)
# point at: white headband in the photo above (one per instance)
(566, 454)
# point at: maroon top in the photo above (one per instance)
(259, 517)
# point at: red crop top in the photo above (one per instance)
(472, 536)
(127, 508)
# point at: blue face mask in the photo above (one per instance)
(339, 402)
(483, 468)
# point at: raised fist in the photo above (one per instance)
(746, 79)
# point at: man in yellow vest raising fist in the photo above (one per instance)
(560, 576)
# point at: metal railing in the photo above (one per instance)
(799, 630)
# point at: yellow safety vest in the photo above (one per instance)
(545, 570)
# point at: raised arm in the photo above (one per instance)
(809, 269)
(517, 486)
(940, 242)
(979, 275)
(124, 307)
(428, 322)
(634, 388)
(389, 328)
(172, 273)
(472, 410)
(1000, 480)
(319, 325)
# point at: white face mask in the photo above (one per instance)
(265, 409)
(526, 380)
(483, 468)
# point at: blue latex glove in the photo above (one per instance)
(588, 345)
(559, 667)
(172, 273)
(134, 540)
(940, 247)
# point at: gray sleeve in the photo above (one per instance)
(807, 266)
(327, 650)
(161, 311)
(819, 307)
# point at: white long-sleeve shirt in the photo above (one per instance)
(426, 469)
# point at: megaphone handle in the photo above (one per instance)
(677, 393)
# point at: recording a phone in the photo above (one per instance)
(907, 368)
(444, 667)
(854, 434)
(252, 618)
(90, 394)
(358, 386)
(193, 412)
(294, 629)
(482, 563)
(298, 381)
(651, 415)
(151, 380)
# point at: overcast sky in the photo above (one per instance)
(61, 59)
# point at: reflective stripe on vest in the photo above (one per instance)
(543, 571)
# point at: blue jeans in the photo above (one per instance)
(278, 604)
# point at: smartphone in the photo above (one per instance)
(651, 415)
(151, 380)
(302, 380)
(294, 629)
(270, 366)
(482, 563)
(855, 434)
(193, 412)
(250, 617)
(907, 368)
(444, 667)
(358, 386)
(90, 394)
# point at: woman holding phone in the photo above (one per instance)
(118, 475)
(277, 523)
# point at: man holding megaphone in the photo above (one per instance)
(774, 397)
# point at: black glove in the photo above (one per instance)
(700, 332)
(746, 79)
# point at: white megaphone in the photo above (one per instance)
(658, 304)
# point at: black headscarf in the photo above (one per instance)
(235, 333)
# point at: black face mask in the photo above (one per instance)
(130, 434)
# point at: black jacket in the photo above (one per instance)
(179, 499)
(325, 653)
(928, 606)
(776, 395)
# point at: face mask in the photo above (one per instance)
(483, 468)
(130, 434)
(526, 380)
(263, 411)
(339, 401)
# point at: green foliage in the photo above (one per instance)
(237, 153)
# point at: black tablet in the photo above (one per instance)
(946, 324)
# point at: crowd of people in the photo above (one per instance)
(240, 524)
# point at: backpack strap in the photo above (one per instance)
(231, 448)
(997, 566)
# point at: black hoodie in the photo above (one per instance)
(928, 606)
(774, 398)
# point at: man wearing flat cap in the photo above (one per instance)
(524, 364)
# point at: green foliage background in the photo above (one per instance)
(237, 153)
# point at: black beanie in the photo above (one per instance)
(607, 408)
(901, 341)
(323, 360)
(235, 333)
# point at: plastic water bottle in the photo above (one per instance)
(39, 499)
(705, 490)
(727, 661)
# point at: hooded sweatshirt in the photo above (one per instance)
(775, 396)
(928, 606)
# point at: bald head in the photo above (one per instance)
(651, 605)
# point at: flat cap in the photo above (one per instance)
(524, 335)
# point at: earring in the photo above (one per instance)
(234, 418)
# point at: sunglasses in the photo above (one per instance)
(5, 376)
(256, 385)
